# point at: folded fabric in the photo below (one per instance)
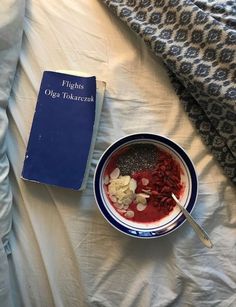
(5, 287)
(11, 28)
(197, 42)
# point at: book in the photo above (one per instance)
(64, 128)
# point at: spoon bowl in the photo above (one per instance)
(121, 218)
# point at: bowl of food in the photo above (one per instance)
(134, 180)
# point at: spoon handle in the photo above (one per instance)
(203, 236)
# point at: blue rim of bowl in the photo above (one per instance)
(138, 233)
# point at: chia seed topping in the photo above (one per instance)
(138, 157)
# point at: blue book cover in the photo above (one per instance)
(62, 131)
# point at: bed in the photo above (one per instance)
(56, 247)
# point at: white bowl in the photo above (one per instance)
(150, 229)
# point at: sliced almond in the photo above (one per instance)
(118, 206)
(113, 198)
(141, 207)
(115, 173)
(120, 196)
(140, 199)
(133, 184)
(124, 188)
(125, 180)
(129, 214)
(125, 206)
(143, 195)
(121, 211)
(106, 180)
(127, 201)
(112, 189)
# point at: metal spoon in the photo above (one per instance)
(203, 236)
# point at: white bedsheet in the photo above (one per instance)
(11, 24)
(64, 253)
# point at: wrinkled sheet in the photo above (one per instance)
(11, 28)
(64, 253)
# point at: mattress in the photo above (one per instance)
(63, 252)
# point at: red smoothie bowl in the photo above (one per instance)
(134, 180)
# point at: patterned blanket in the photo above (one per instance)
(197, 42)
